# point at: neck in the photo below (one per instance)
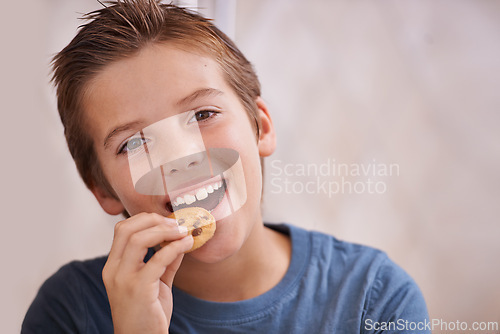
(255, 268)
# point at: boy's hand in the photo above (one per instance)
(140, 293)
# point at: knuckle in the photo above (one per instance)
(142, 215)
(156, 218)
(135, 239)
(107, 276)
(118, 226)
(123, 227)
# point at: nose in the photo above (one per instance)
(188, 163)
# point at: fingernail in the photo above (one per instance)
(171, 221)
(182, 229)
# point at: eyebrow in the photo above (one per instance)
(118, 130)
(200, 93)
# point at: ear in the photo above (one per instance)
(110, 204)
(267, 136)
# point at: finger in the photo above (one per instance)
(138, 244)
(169, 274)
(156, 266)
(126, 228)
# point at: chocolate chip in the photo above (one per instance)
(197, 223)
(196, 232)
(205, 217)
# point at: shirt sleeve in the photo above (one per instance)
(394, 303)
(58, 306)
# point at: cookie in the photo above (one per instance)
(199, 222)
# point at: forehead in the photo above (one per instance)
(150, 83)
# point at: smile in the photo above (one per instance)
(207, 197)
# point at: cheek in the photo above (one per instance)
(236, 133)
(246, 144)
(240, 136)
(117, 174)
(241, 139)
(121, 181)
(119, 178)
(135, 205)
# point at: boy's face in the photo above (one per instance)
(166, 90)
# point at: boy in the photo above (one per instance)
(143, 79)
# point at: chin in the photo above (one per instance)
(215, 251)
(228, 240)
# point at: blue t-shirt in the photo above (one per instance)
(331, 286)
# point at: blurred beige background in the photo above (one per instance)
(410, 83)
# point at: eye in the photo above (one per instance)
(203, 115)
(132, 144)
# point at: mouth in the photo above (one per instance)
(208, 197)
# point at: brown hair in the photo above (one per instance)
(120, 30)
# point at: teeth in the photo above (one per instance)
(180, 200)
(201, 194)
(190, 199)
